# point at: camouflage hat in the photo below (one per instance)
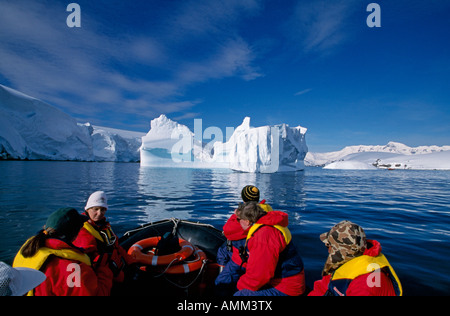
(345, 241)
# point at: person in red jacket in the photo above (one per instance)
(274, 268)
(232, 229)
(97, 238)
(68, 270)
(229, 256)
(355, 265)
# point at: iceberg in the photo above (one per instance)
(31, 129)
(166, 143)
(266, 149)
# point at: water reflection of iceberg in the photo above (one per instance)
(285, 191)
(165, 193)
(211, 195)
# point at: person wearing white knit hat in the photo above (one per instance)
(97, 237)
(96, 206)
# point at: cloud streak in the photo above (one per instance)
(302, 92)
(87, 71)
(319, 26)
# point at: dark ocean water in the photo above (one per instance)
(408, 212)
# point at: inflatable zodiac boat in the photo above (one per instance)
(174, 258)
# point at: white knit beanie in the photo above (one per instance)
(97, 199)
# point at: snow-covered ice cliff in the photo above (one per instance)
(34, 130)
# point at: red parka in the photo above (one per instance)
(95, 248)
(264, 249)
(60, 276)
(233, 231)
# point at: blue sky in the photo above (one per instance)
(312, 63)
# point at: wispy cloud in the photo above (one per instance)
(88, 71)
(232, 58)
(318, 26)
(210, 18)
(302, 92)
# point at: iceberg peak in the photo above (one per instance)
(161, 122)
(164, 128)
(245, 124)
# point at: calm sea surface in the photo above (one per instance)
(407, 211)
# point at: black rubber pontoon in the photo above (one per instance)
(156, 283)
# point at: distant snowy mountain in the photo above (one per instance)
(391, 156)
(33, 130)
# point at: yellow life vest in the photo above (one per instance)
(284, 230)
(266, 207)
(38, 260)
(366, 264)
(106, 236)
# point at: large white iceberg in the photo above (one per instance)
(265, 149)
(34, 130)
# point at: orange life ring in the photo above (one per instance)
(190, 266)
(151, 259)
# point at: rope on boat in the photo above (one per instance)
(188, 285)
(167, 268)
